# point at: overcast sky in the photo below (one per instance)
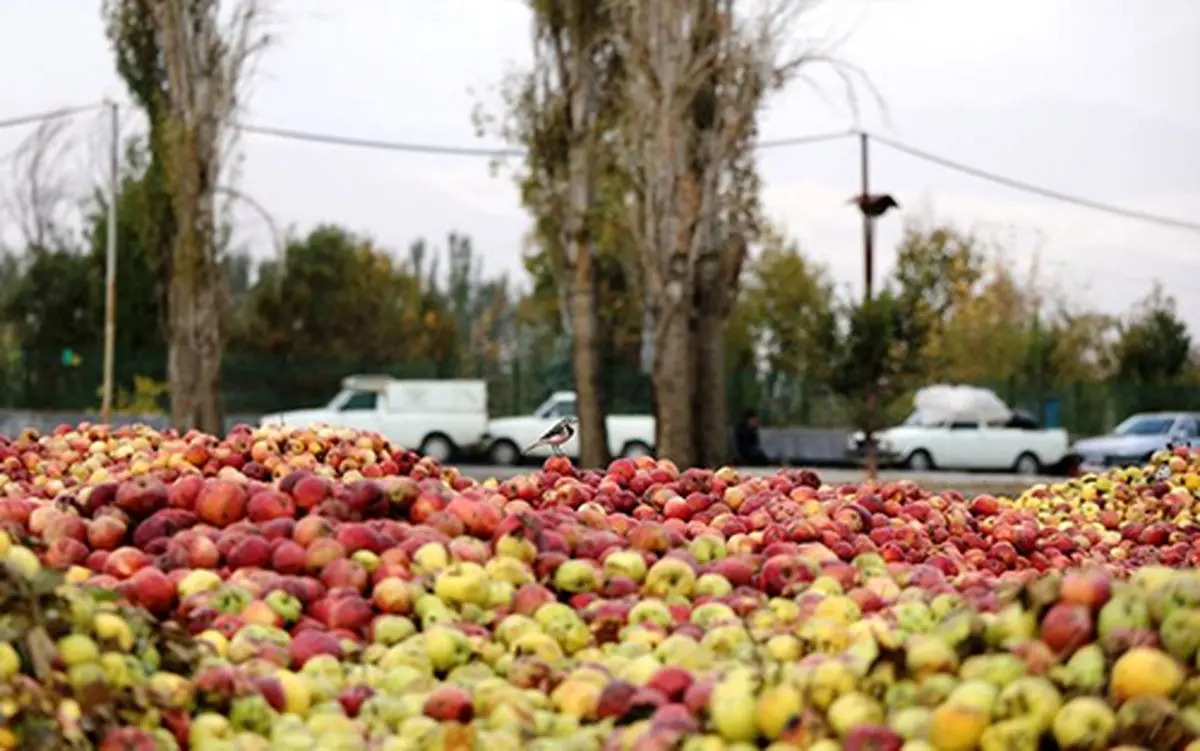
(1098, 98)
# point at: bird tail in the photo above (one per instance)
(531, 446)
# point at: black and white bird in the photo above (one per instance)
(557, 434)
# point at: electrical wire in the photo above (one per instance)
(493, 153)
(469, 151)
(1020, 185)
(376, 144)
(38, 117)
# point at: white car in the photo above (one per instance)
(628, 435)
(969, 429)
(440, 419)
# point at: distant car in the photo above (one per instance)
(628, 435)
(1136, 439)
(964, 428)
(439, 418)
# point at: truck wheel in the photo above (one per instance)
(504, 454)
(634, 449)
(1027, 465)
(920, 461)
(437, 447)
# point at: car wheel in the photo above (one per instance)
(920, 461)
(504, 454)
(1027, 465)
(437, 447)
(634, 449)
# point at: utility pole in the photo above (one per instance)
(872, 207)
(864, 149)
(110, 267)
(864, 157)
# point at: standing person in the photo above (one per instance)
(747, 443)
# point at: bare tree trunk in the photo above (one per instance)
(194, 346)
(585, 364)
(674, 387)
(204, 62)
(710, 408)
(583, 109)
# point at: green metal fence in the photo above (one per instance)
(35, 380)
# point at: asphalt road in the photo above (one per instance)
(965, 481)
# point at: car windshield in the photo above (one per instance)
(1145, 425)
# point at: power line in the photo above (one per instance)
(1165, 221)
(783, 143)
(469, 151)
(38, 117)
(1009, 182)
(376, 144)
(492, 153)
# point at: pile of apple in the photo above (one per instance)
(325, 589)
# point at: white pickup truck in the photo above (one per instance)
(441, 419)
(963, 428)
(628, 435)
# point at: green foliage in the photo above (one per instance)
(879, 347)
(146, 397)
(1154, 345)
(782, 317)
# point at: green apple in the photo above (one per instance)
(76, 649)
(516, 548)
(733, 710)
(539, 645)
(1085, 722)
(707, 548)
(365, 558)
(640, 670)
(513, 627)
(1032, 697)
(651, 610)
(572, 634)
(553, 611)
(777, 706)
(207, 727)
(577, 576)
(288, 607)
(463, 583)
(851, 710)
(709, 614)
(731, 641)
(712, 585)
(195, 582)
(625, 563)
(509, 569)
(430, 558)
(447, 647)
(392, 629)
(252, 713)
(669, 576)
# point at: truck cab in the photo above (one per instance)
(438, 418)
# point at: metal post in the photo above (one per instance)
(872, 459)
(868, 220)
(110, 267)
